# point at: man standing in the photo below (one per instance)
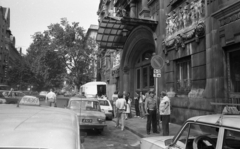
(121, 106)
(151, 112)
(51, 98)
(165, 112)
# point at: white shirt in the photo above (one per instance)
(141, 99)
(164, 106)
(121, 103)
(114, 97)
(51, 96)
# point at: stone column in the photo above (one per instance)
(145, 12)
(125, 78)
(214, 90)
(132, 9)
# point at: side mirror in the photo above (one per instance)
(168, 142)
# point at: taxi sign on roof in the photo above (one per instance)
(29, 100)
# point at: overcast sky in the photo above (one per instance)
(30, 16)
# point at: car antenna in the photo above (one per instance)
(229, 109)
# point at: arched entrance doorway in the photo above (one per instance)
(136, 71)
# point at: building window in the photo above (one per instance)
(183, 76)
(138, 78)
(234, 71)
(145, 77)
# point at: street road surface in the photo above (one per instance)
(111, 138)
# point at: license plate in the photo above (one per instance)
(87, 120)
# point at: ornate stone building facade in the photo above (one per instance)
(198, 40)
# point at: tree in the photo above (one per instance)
(59, 53)
(47, 67)
(71, 44)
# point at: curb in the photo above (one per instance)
(133, 131)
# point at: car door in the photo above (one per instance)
(229, 138)
(196, 136)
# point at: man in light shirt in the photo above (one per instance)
(165, 111)
(51, 98)
(121, 107)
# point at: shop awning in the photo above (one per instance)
(113, 31)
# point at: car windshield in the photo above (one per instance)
(84, 105)
(103, 102)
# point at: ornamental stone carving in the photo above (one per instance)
(178, 42)
(184, 16)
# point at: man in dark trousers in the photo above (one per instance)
(165, 112)
(151, 112)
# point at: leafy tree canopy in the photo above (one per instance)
(60, 53)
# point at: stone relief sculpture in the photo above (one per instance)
(186, 15)
(178, 42)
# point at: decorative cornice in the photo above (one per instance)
(227, 11)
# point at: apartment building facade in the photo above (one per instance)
(9, 55)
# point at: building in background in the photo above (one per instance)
(198, 41)
(91, 36)
(9, 55)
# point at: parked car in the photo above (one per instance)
(69, 94)
(4, 87)
(106, 107)
(11, 97)
(42, 95)
(89, 113)
(219, 131)
(38, 127)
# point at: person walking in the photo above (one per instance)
(128, 102)
(51, 99)
(151, 112)
(165, 112)
(121, 107)
(114, 99)
(136, 101)
(141, 105)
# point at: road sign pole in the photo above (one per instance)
(157, 87)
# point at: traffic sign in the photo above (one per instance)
(157, 62)
(157, 70)
(157, 75)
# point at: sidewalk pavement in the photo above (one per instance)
(138, 126)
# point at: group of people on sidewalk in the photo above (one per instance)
(155, 109)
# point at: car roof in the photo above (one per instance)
(40, 127)
(83, 98)
(226, 120)
(95, 83)
(105, 99)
